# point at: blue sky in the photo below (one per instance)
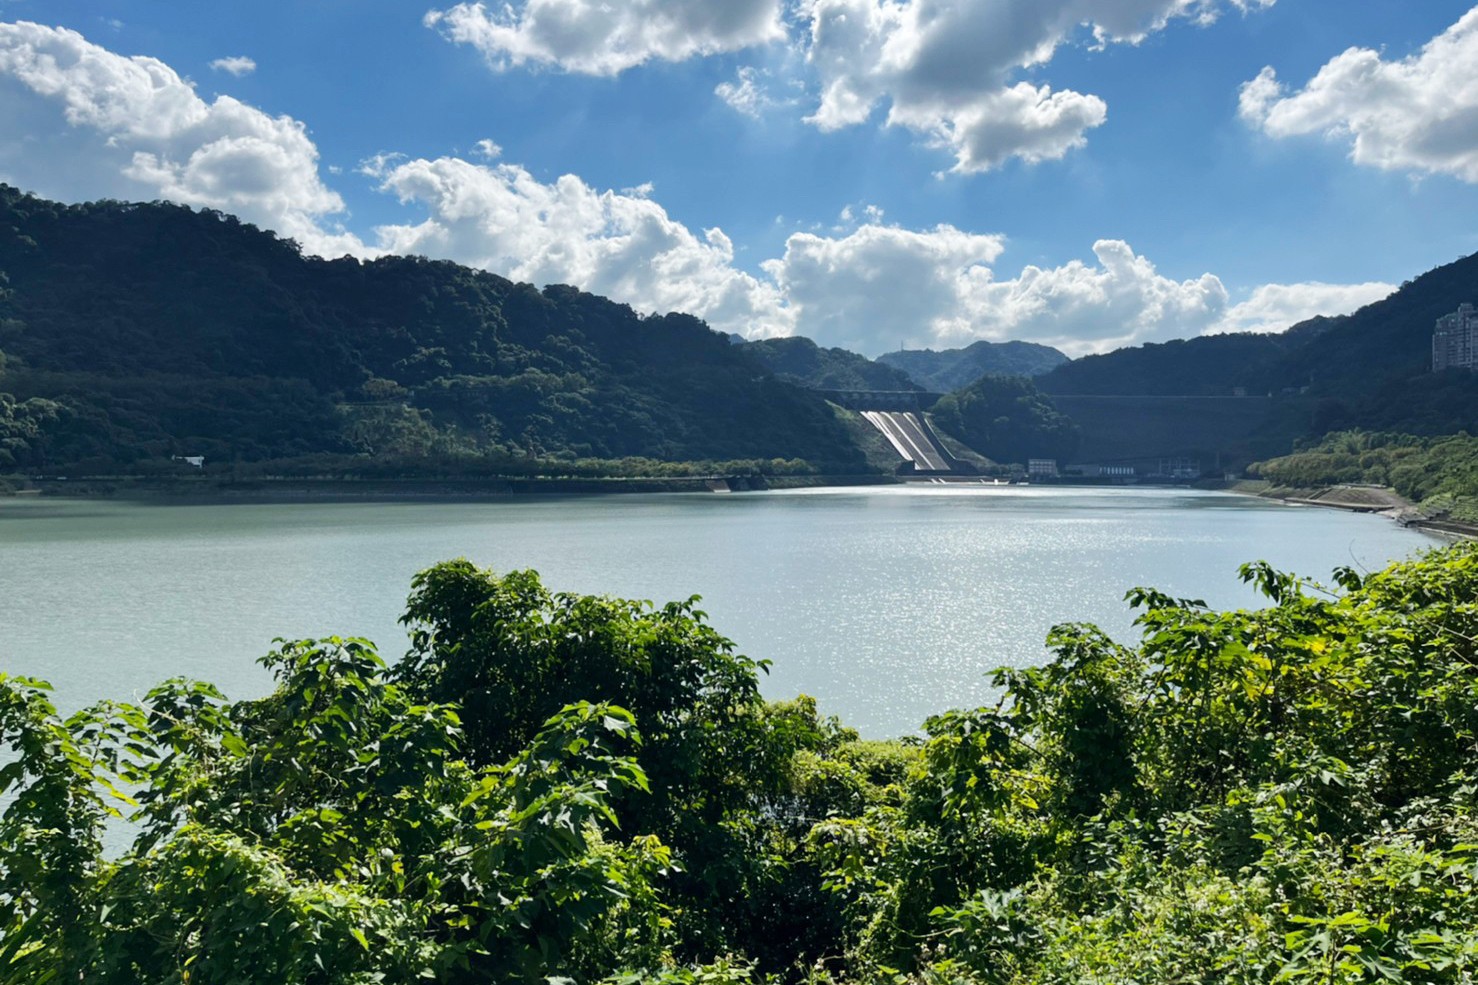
(870, 173)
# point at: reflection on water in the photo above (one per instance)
(888, 604)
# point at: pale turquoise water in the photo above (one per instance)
(888, 604)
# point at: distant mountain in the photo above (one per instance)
(131, 333)
(1342, 357)
(951, 369)
(1391, 338)
(1213, 365)
(1232, 398)
(799, 360)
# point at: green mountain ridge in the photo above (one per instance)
(799, 360)
(1386, 340)
(157, 330)
(1232, 399)
(951, 369)
(132, 333)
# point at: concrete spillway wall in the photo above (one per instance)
(916, 443)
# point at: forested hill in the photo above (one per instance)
(1212, 365)
(1390, 339)
(1369, 369)
(802, 361)
(141, 331)
(951, 369)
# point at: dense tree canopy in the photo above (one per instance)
(1441, 472)
(166, 330)
(802, 361)
(1008, 419)
(1278, 795)
(510, 654)
(1341, 357)
(1212, 365)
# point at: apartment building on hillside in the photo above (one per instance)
(1455, 340)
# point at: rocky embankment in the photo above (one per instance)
(1355, 498)
(1361, 498)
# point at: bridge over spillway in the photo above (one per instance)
(899, 416)
(904, 400)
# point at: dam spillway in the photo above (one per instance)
(913, 439)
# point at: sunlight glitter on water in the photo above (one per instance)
(887, 604)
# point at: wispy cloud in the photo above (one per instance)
(237, 65)
(750, 93)
(599, 38)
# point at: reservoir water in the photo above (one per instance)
(887, 604)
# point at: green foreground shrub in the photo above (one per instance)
(591, 789)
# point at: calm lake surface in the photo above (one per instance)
(887, 604)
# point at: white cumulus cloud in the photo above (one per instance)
(868, 286)
(944, 67)
(1274, 307)
(947, 69)
(879, 287)
(747, 94)
(237, 65)
(98, 124)
(621, 245)
(596, 37)
(871, 288)
(1416, 114)
(1081, 308)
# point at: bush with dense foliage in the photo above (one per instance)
(1286, 794)
(1440, 472)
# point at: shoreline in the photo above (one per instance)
(1357, 498)
(193, 490)
(199, 489)
(282, 489)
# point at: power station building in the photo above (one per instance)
(1455, 340)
